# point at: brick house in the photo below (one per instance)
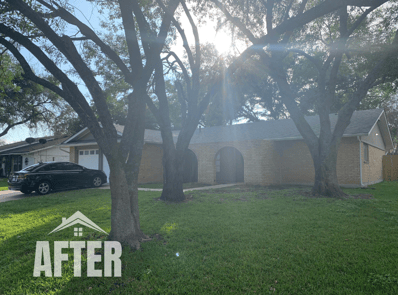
(265, 153)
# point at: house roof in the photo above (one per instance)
(362, 122)
(22, 147)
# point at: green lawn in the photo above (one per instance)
(240, 240)
(3, 184)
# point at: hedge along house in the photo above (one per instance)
(266, 152)
(18, 155)
(273, 152)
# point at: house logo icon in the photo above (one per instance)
(77, 218)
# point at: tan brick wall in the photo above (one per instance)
(298, 167)
(372, 171)
(260, 160)
(271, 162)
(348, 166)
(151, 168)
(296, 162)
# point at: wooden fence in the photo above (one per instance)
(390, 167)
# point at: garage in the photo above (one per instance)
(89, 158)
(105, 167)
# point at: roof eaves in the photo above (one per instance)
(45, 148)
(18, 147)
(375, 123)
(79, 144)
(300, 137)
(77, 134)
(391, 144)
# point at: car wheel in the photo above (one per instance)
(26, 191)
(43, 188)
(97, 181)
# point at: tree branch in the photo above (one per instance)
(71, 92)
(236, 22)
(9, 126)
(90, 34)
(28, 73)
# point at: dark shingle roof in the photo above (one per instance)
(150, 136)
(23, 147)
(361, 124)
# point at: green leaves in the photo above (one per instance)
(22, 101)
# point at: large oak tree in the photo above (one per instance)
(331, 36)
(55, 45)
(193, 100)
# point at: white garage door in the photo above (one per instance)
(105, 166)
(89, 158)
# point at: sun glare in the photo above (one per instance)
(222, 42)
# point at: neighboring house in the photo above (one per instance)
(84, 151)
(18, 155)
(265, 153)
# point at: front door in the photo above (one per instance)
(229, 166)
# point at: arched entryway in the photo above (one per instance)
(229, 165)
(190, 167)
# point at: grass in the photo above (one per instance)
(239, 240)
(160, 185)
(3, 184)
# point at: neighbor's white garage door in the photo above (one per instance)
(89, 158)
(105, 167)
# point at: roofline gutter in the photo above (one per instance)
(20, 146)
(78, 144)
(72, 137)
(27, 144)
(300, 138)
(30, 152)
(85, 129)
(95, 143)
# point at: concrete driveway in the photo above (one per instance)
(13, 195)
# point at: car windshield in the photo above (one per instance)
(31, 167)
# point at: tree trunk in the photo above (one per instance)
(173, 175)
(326, 183)
(125, 226)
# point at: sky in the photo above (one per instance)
(89, 14)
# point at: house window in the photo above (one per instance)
(17, 163)
(81, 153)
(92, 152)
(366, 152)
(78, 231)
(86, 152)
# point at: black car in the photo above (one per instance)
(44, 177)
